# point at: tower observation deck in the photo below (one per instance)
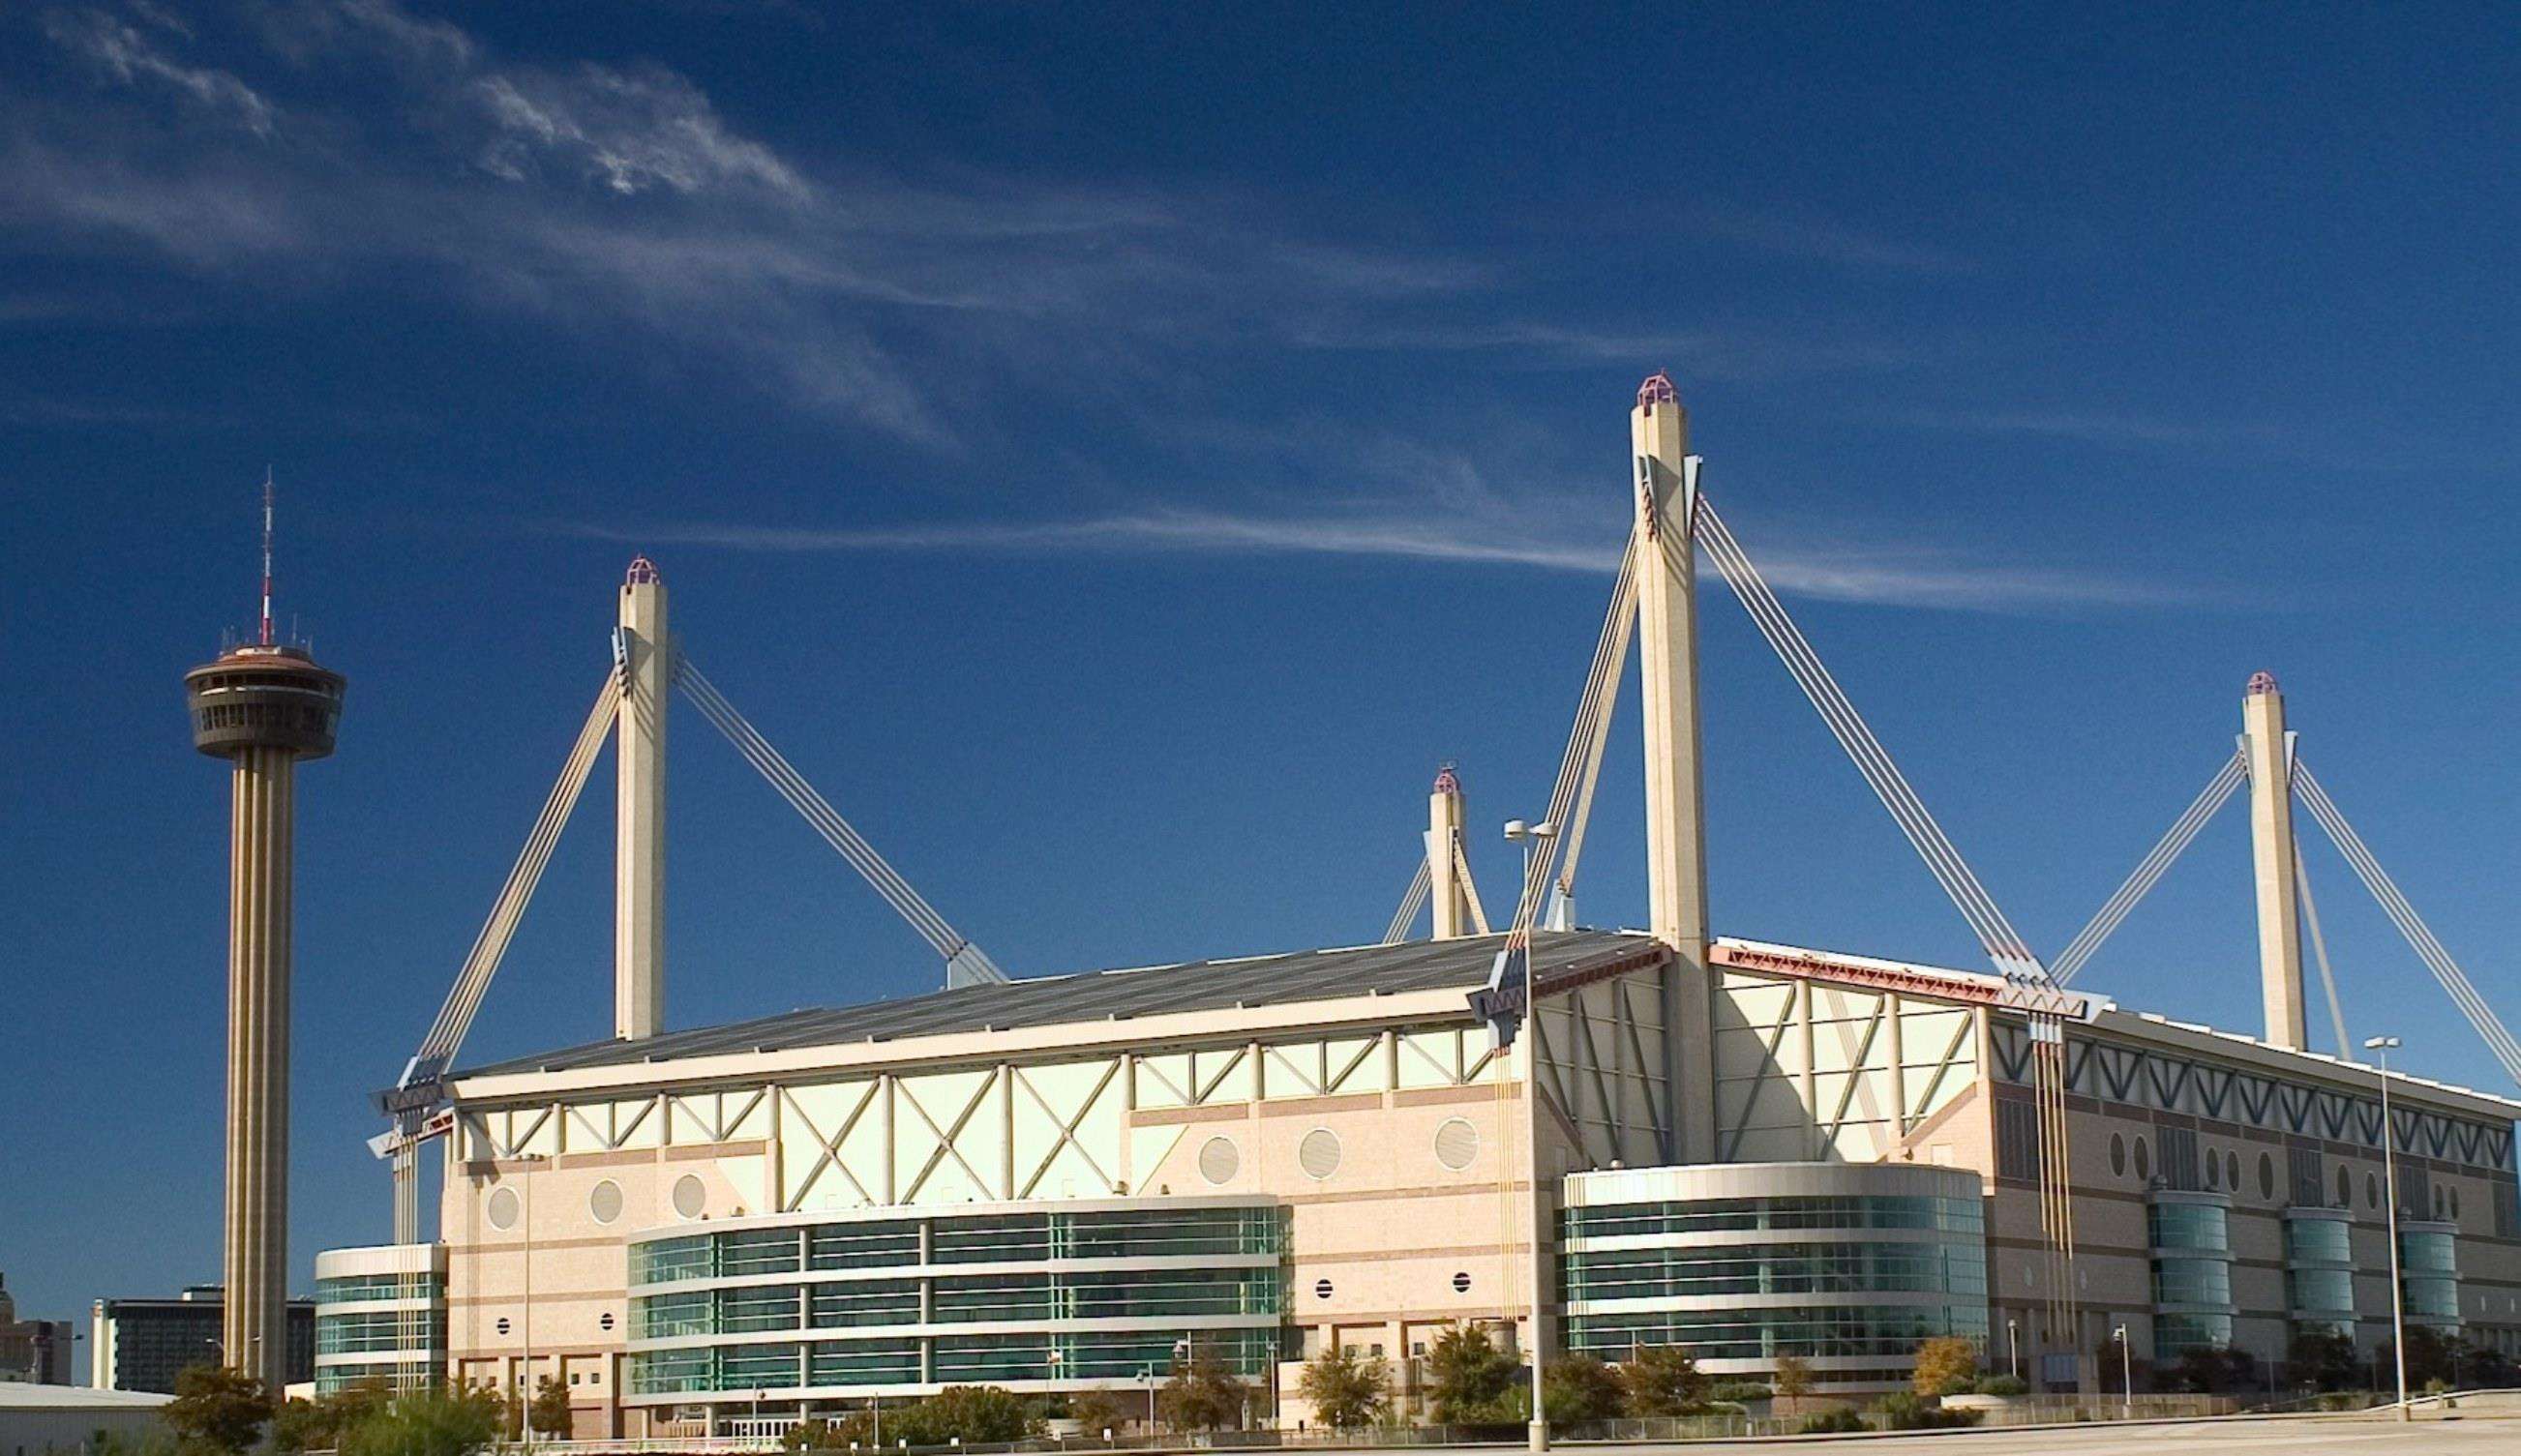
(262, 707)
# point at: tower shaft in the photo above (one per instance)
(255, 1319)
(1675, 817)
(2269, 754)
(1449, 900)
(639, 807)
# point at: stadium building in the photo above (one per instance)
(1750, 1150)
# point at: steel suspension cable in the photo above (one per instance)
(464, 999)
(965, 961)
(2149, 869)
(2411, 924)
(2319, 953)
(2005, 946)
(1602, 693)
(1601, 686)
(1410, 900)
(1839, 715)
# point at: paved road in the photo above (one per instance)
(2498, 1436)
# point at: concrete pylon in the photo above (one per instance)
(2268, 748)
(1676, 803)
(1448, 898)
(262, 708)
(639, 808)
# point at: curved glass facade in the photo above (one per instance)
(1051, 1298)
(2429, 1271)
(1848, 1266)
(2191, 1234)
(380, 1315)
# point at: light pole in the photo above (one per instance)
(2390, 1177)
(2127, 1373)
(1533, 836)
(2013, 1347)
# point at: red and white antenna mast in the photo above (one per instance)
(266, 556)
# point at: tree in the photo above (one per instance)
(1344, 1391)
(2208, 1370)
(2431, 1356)
(436, 1422)
(1946, 1365)
(2323, 1359)
(217, 1409)
(827, 1434)
(1098, 1411)
(1203, 1393)
(319, 1424)
(549, 1412)
(1579, 1388)
(970, 1414)
(1794, 1376)
(1661, 1380)
(1470, 1378)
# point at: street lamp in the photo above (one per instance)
(2127, 1373)
(2013, 1347)
(2390, 1176)
(1531, 837)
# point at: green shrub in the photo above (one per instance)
(2003, 1385)
(1823, 1422)
(1905, 1410)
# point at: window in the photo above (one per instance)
(2017, 1140)
(2318, 1241)
(2301, 1174)
(2232, 1169)
(2312, 1292)
(2267, 1176)
(2372, 1190)
(2143, 1163)
(2175, 1335)
(2192, 1281)
(2118, 1154)
(2179, 1157)
(2202, 1227)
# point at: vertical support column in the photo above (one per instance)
(2268, 748)
(254, 1323)
(639, 808)
(1449, 905)
(1675, 819)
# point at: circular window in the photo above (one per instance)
(1219, 1160)
(1322, 1289)
(2455, 1203)
(2118, 1154)
(2437, 1202)
(2143, 1161)
(604, 1201)
(691, 1196)
(2345, 1189)
(1318, 1155)
(606, 1321)
(2214, 1172)
(2372, 1191)
(502, 1326)
(1461, 1284)
(2267, 1176)
(1457, 1142)
(2232, 1171)
(504, 1208)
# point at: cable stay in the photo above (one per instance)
(2320, 954)
(420, 1088)
(2149, 869)
(1593, 731)
(1410, 901)
(966, 964)
(1469, 891)
(2006, 948)
(2411, 925)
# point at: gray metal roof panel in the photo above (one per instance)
(1102, 996)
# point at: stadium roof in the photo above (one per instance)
(1108, 995)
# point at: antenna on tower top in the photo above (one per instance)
(266, 555)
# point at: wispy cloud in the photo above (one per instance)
(2097, 427)
(120, 52)
(619, 198)
(1873, 575)
(1707, 354)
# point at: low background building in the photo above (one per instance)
(35, 1419)
(143, 1344)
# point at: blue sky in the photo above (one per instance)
(1119, 452)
